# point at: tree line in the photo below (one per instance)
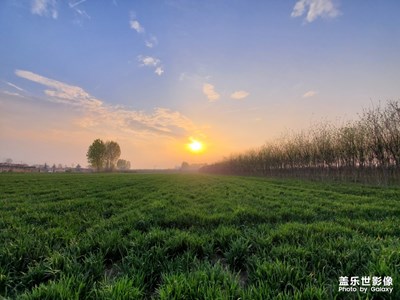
(104, 156)
(367, 150)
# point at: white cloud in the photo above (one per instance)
(11, 94)
(151, 42)
(310, 94)
(97, 114)
(136, 25)
(239, 95)
(76, 3)
(315, 9)
(79, 12)
(148, 61)
(159, 71)
(46, 8)
(14, 86)
(209, 91)
(61, 92)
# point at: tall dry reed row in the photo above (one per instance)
(364, 150)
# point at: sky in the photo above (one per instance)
(155, 75)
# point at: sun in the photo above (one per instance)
(195, 146)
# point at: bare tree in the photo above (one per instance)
(368, 147)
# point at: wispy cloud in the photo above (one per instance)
(76, 3)
(310, 94)
(314, 9)
(209, 91)
(14, 86)
(149, 61)
(48, 8)
(97, 114)
(12, 94)
(151, 42)
(78, 11)
(62, 92)
(239, 95)
(134, 23)
(45, 8)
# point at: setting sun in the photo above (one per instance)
(195, 146)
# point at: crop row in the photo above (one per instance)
(131, 236)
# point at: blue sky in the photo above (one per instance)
(153, 74)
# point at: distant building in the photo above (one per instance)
(19, 168)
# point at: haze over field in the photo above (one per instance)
(157, 76)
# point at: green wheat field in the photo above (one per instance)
(191, 236)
